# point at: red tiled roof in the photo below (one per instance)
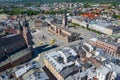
(37, 21)
(95, 78)
(90, 15)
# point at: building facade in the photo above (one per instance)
(61, 63)
(110, 46)
(62, 32)
(14, 48)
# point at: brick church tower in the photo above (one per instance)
(25, 32)
(64, 19)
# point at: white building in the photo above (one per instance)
(3, 16)
(104, 27)
(102, 73)
(78, 20)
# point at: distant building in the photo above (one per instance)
(113, 29)
(104, 27)
(63, 32)
(105, 6)
(107, 44)
(91, 15)
(38, 23)
(3, 16)
(78, 20)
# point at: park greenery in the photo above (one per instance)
(95, 31)
(16, 11)
(86, 5)
(74, 24)
(92, 1)
(54, 12)
(115, 16)
(98, 32)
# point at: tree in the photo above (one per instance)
(86, 5)
(115, 16)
